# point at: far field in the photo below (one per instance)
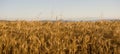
(59, 37)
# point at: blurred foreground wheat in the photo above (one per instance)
(37, 37)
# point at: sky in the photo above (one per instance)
(49, 9)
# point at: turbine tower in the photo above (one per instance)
(101, 15)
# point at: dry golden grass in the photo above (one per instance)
(36, 37)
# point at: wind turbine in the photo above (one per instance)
(101, 15)
(39, 16)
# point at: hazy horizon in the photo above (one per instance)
(64, 9)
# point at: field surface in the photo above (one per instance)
(58, 37)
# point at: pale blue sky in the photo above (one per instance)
(61, 8)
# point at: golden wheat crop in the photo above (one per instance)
(47, 37)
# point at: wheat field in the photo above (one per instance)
(59, 37)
